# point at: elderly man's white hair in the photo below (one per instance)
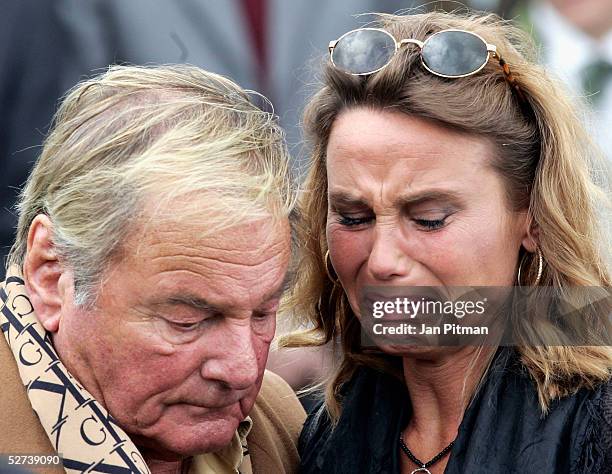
(139, 144)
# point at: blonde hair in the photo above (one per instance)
(543, 156)
(137, 137)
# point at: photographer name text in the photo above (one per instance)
(413, 329)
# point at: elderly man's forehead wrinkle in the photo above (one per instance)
(195, 234)
(222, 246)
(185, 260)
(239, 251)
(207, 250)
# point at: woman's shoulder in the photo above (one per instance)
(594, 435)
(363, 436)
(361, 390)
(317, 424)
(506, 425)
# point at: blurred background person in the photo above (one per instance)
(575, 38)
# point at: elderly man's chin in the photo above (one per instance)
(186, 430)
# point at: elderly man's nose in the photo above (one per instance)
(235, 365)
(387, 261)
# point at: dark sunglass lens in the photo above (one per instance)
(363, 51)
(454, 53)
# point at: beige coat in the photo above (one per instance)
(277, 420)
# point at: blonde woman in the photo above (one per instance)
(437, 163)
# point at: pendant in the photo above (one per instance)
(421, 469)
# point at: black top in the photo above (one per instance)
(503, 430)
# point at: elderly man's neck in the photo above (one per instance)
(166, 465)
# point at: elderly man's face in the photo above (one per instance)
(177, 344)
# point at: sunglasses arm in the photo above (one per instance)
(332, 45)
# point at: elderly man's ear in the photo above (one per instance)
(48, 282)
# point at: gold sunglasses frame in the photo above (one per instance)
(491, 53)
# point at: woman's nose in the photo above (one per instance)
(387, 261)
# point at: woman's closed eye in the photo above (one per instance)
(353, 221)
(430, 224)
(427, 224)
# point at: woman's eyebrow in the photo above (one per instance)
(343, 198)
(430, 195)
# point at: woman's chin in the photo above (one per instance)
(414, 351)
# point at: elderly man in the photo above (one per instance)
(141, 294)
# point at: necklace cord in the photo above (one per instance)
(420, 463)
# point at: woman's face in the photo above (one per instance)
(414, 204)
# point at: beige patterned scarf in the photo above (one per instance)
(79, 428)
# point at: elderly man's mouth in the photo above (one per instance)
(205, 407)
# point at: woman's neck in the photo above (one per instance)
(439, 389)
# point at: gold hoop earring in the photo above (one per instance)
(329, 265)
(540, 268)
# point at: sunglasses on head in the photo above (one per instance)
(447, 53)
